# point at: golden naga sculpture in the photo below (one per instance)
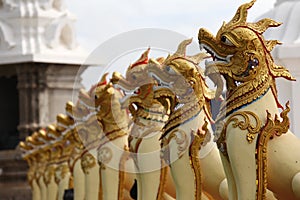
(69, 127)
(31, 156)
(188, 128)
(57, 175)
(89, 131)
(257, 149)
(100, 129)
(48, 155)
(112, 149)
(148, 116)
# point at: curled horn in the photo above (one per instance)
(213, 73)
(199, 57)
(142, 60)
(182, 47)
(241, 14)
(94, 87)
(103, 80)
(262, 25)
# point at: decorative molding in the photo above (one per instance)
(38, 31)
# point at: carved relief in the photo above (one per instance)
(105, 155)
(61, 171)
(87, 162)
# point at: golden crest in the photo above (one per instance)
(242, 55)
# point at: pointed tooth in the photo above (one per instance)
(228, 58)
(201, 47)
(206, 62)
(237, 83)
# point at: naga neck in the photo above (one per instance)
(248, 93)
(185, 112)
(147, 107)
(113, 117)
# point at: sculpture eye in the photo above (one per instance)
(253, 63)
(223, 39)
(169, 70)
(226, 41)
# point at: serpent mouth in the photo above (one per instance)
(220, 65)
(216, 59)
(127, 89)
(127, 94)
(160, 83)
(181, 95)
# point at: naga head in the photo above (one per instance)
(102, 92)
(135, 74)
(104, 96)
(180, 74)
(108, 106)
(136, 82)
(241, 54)
(138, 89)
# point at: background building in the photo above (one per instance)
(39, 62)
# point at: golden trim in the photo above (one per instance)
(182, 142)
(162, 183)
(74, 157)
(141, 137)
(111, 136)
(49, 173)
(271, 129)
(242, 97)
(71, 181)
(244, 124)
(197, 140)
(123, 160)
(247, 66)
(182, 115)
(61, 172)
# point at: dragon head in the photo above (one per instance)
(138, 89)
(108, 107)
(242, 55)
(135, 74)
(136, 83)
(103, 94)
(181, 75)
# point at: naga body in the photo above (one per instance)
(188, 128)
(148, 116)
(257, 148)
(105, 135)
